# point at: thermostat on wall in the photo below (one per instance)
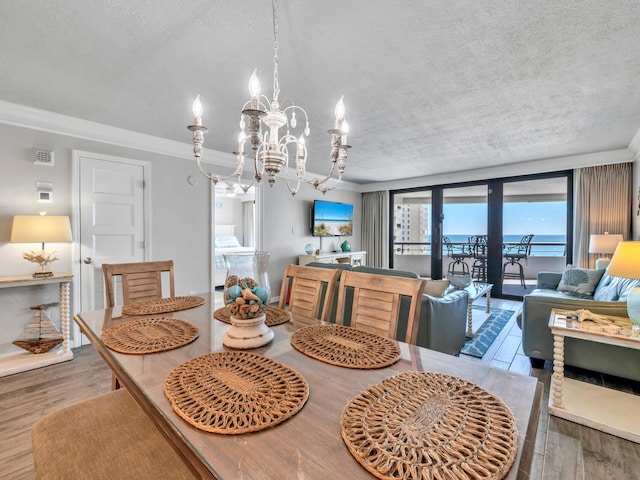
(44, 192)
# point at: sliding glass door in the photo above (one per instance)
(499, 231)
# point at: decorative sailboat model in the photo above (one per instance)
(40, 335)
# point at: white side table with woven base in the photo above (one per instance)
(610, 411)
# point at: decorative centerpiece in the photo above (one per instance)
(247, 298)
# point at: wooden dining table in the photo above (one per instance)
(309, 444)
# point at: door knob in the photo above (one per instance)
(88, 260)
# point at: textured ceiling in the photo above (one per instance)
(430, 86)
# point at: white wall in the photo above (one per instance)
(287, 229)
(180, 216)
(228, 211)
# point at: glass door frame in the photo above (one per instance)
(495, 189)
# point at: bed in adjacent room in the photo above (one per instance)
(226, 242)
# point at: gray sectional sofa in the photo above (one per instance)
(443, 320)
(609, 298)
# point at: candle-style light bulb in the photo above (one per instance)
(197, 110)
(339, 111)
(344, 131)
(254, 88)
(300, 146)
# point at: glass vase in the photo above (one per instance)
(247, 270)
(246, 295)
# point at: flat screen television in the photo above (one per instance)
(332, 219)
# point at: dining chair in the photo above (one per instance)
(308, 291)
(514, 256)
(140, 281)
(104, 438)
(377, 304)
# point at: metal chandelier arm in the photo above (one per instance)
(270, 150)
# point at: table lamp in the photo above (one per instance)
(626, 264)
(40, 229)
(605, 244)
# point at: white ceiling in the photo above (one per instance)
(430, 86)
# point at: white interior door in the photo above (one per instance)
(112, 219)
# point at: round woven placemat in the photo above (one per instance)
(150, 335)
(235, 392)
(162, 305)
(346, 346)
(275, 316)
(430, 425)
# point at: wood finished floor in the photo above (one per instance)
(563, 450)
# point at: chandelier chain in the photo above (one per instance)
(276, 82)
(272, 152)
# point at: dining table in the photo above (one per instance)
(308, 445)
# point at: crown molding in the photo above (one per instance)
(511, 170)
(45, 121)
(56, 123)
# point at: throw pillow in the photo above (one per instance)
(607, 290)
(436, 288)
(580, 281)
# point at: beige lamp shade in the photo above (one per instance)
(604, 243)
(626, 261)
(40, 229)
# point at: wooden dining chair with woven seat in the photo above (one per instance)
(380, 303)
(308, 291)
(107, 437)
(140, 281)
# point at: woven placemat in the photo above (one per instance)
(275, 316)
(346, 346)
(430, 425)
(235, 392)
(150, 335)
(162, 305)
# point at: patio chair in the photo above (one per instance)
(514, 255)
(458, 253)
(479, 254)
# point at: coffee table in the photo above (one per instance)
(475, 291)
(607, 410)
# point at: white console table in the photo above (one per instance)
(24, 361)
(355, 259)
(610, 411)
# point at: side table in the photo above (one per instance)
(475, 291)
(24, 361)
(607, 410)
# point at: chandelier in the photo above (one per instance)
(270, 151)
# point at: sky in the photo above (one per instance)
(540, 218)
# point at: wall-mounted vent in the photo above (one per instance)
(44, 157)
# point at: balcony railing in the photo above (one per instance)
(540, 249)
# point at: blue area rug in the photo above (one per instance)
(487, 333)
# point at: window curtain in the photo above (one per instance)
(603, 203)
(248, 223)
(375, 228)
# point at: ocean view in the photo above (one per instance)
(543, 250)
